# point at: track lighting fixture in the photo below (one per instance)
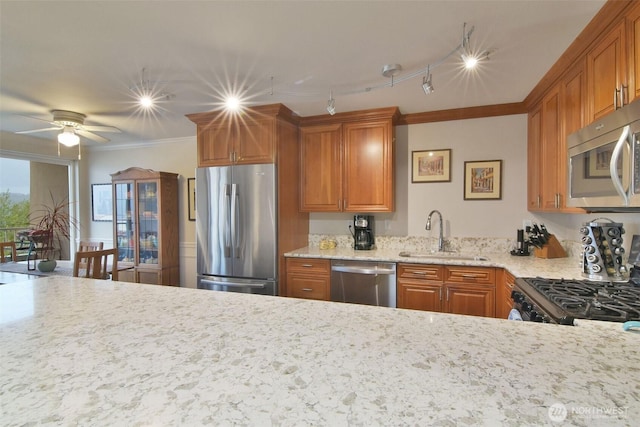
(427, 86)
(331, 104)
(147, 94)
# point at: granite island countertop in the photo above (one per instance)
(519, 266)
(101, 353)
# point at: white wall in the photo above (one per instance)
(495, 138)
(174, 155)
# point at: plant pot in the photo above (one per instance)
(47, 265)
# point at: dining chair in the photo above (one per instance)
(85, 246)
(8, 245)
(95, 264)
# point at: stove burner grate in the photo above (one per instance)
(607, 301)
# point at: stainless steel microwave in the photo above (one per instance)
(604, 163)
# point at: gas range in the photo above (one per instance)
(562, 301)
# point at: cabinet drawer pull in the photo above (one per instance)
(471, 276)
(307, 265)
(307, 289)
(421, 273)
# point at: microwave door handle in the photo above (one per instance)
(613, 165)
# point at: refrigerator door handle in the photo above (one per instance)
(235, 216)
(225, 236)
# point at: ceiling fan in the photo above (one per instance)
(72, 124)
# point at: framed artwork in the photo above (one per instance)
(431, 166)
(483, 180)
(191, 195)
(101, 202)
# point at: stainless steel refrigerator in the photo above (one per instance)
(236, 228)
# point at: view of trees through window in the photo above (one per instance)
(14, 197)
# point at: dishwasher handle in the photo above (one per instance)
(362, 270)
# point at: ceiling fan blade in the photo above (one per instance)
(39, 130)
(92, 136)
(101, 129)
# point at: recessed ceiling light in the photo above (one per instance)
(232, 103)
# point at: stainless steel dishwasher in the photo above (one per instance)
(363, 282)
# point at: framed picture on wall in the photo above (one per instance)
(101, 202)
(431, 166)
(483, 180)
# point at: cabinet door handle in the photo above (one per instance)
(440, 293)
(339, 204)
(622, 89)
(447, 294)
(421, 273)
(615, 98)
(538, 201)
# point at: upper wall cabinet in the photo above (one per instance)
(347, 162)
(604, 75)
(607, 84)
(633, 46)
(248, 138)
(560, 113)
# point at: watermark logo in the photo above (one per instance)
(558, 412)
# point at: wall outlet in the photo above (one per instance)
(526, 223)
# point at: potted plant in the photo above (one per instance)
(52, 224)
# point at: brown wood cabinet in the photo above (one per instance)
(560, 113)
(420, 287)
(470, 290)
(145, 226)
(449, 289)
(309, 278)
(598, 73)
(633, 46)
(321, 168)
(607, 84)
(505, 282)
(347, 162)
(245, 139)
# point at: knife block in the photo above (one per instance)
(551, 249)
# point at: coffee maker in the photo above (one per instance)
(363, 232)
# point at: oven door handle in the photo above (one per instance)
(613, 165)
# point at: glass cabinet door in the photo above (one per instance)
(125, 221)
(148, 222)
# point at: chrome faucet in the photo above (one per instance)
(428, 227)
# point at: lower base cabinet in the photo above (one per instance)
(448, 289)
(309, 278)
(504, 303)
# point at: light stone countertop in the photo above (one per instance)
(519, 266)
(100, 353)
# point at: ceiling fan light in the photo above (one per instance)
(68, 137)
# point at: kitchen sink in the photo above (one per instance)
(443, 255)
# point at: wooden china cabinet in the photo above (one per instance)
(145, 226)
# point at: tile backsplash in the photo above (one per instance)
(426, 244)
